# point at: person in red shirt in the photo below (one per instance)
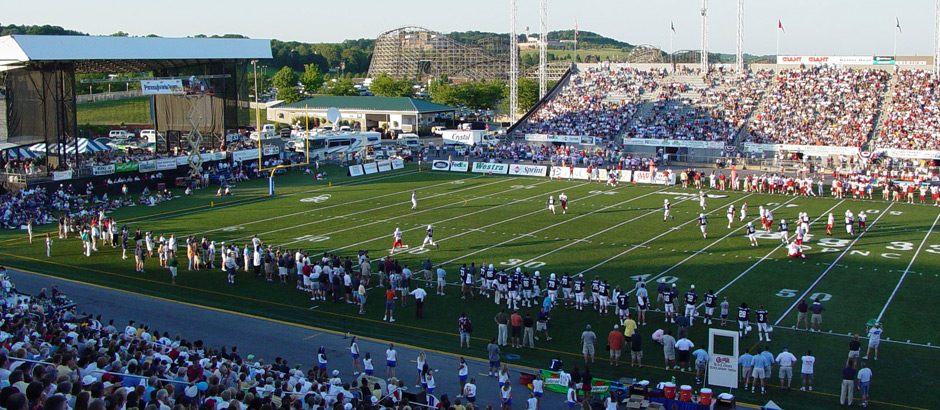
(389, 305)
(615, 341)
(515, 322)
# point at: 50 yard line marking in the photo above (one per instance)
(769, 254)
(498, 181)
(906, 270)
(655, 211)
(553, 225)
(463, 216)
(831, 265)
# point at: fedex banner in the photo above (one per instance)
(820, 60)
(156, 87)
(489, 168)
(528, 170)
(459, 166)
(652, 142)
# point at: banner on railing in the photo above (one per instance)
(398, 163)
(355, 170)
(819, 150)
(820, 60)
(599, 387)
(440, 165)
(165, 164)
(909, 154)
(125, 167)
(61, 175)
(147, 166)
(654, 142)
(370, 168)
(99, 170)
(155, 87)
(564, 139)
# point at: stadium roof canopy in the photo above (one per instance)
(96, 54)
(370, 103)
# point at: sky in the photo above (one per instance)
(821, 27)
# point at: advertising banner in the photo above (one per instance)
(155, 87)
(459, 166)
(910, 154)
(626, 175)
(488, 168)
(439, 165)
(384, 166)
(125, 167)
(528, 170)
(653, 142)
(563, 139)
(820, 150)
(99, 170)
(355, 170)
(643, 177)
(370, 168)
(398, 163)
(580, 173)
(61, 175)
(147, 166)
(602, 387)
(164, 164)
(245, 155)
(560, 172)
(723, 367)
(819, 60)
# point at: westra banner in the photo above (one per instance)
(459, 166)
(489, 168)
(156, 87)
(355, 170)
(440, 165)
(528, 170)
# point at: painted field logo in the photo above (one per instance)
(316, 199)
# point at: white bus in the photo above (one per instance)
(331, 145)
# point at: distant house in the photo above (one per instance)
(394, 113)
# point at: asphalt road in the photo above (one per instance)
(267, 339)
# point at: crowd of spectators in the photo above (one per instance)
(598, 102)
(914, 119)
(820, 105)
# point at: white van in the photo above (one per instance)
(150, 135)
(119, 135)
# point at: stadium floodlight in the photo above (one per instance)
(513, 63)
(739, 39)
(543, 48)
(704, 56)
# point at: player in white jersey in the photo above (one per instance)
(563, 199)
(751, 233)
(702, 222)
(701, 199)
(769, 215)
(429, 238)
(829, 222)
(414, 200)
(804, 222)
(397, 241)
(551, 204)
(862, 220)
(743, 212)
(667, 207)
(795, 251)
(730, 215)
(849, 222)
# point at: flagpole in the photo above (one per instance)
(778, 41)
(895, 52)
(672, 50)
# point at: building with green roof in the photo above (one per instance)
(370, 112)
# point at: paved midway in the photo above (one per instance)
(268, 339)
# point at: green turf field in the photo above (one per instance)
(616, 233)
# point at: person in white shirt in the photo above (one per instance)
(391, 360)
(463, 371)
(532, 403)
(419, 294)
(730, 215)
(864, 383)
(414, 200)
(874, 339)
(470, 391)
(786, 360)
(806, 370)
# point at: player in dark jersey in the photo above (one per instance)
(566, 289)
(784, 231)
(669, 303)
(623, 303)
(763, 328)
(710, 302)
(702, 223)
(691, 298)
(595, 296)
(578, 289)
(551, 286)
(603, 290)
(743, 313)
(527, 289)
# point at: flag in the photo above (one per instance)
(672, 27)
(898, 26)
(780, 26)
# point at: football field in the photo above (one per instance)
(887, 273)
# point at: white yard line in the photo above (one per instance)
(641, 245)
(386, 220)
(585, 239)
(404, 203)
(281, 216)
(832, 265)
(907, 269)
(553, 225)
(461, 216)
(769, 254)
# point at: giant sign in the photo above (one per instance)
(489, 168)
(820, 60)
(654, 142)
(528, 170)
